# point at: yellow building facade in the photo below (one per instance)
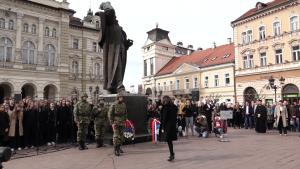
(207, 74)
(266, 40)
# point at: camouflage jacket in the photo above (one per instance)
(117, 113)
(100, 114)
(82, 112)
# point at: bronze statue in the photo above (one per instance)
(113, 40)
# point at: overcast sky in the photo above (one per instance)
(195, 22)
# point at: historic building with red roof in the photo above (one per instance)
(267, 40)
(204, 74)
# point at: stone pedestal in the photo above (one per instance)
(136, 112)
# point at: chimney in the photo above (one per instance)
(214, 45)
(179, 44)
(190, 47)
(229, 40)
(199, 49)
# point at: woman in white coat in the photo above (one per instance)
(281, 116)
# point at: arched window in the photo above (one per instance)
(25, 27)
(33, 29)
(53, 32)
(2, 23)
(75, 67)
(294, 23)
(11, 25)
(47, 31)
(28, 50)
(97, 69)
(97, 25)
(50, 55)
(5, 50)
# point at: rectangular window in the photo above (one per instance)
(94, 46)
(244, 38)
(262, 33)
(171, 85)
(263, 59)
(227, 79)
(151, 66)
(195, 83)
(248, 61)
(249, 36)
(294, 23)
(158, 87)
(2, 53)
(177, 84)
(278, 56)
(145, 67)
(216, 80)
(187, 83)
(75, 44)
(206, 82)
(165, 86)
(296, 53)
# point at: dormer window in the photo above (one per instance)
(226, 55)
(260, 5)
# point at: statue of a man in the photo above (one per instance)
(113, 40)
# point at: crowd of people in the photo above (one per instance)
(30, 123)
(202, 116)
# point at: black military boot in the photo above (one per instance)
(99, 143)
(81, 145)
(121, 151)
(84, 146)
(116, 151)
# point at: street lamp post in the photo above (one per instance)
(275, 87)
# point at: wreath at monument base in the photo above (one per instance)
(129, 131)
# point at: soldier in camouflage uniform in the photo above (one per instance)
(117, 116)
(82, 114)
(100, 119)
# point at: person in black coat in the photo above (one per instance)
(51, 124)
(208, 108)
(169, 120)
(64, 119)
(260, 118)
(4, 125)
(30, 123)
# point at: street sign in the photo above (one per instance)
(226, 114)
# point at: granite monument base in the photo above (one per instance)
(136, 112)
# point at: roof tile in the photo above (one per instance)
(205, 58)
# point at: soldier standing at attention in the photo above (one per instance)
(117, 116)
(100, 118)
(82, 114)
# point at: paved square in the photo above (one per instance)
(246, 150)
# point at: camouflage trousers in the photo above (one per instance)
(82, 131)
(118, 137)
(99, 131)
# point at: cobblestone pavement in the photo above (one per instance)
(246, 150)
